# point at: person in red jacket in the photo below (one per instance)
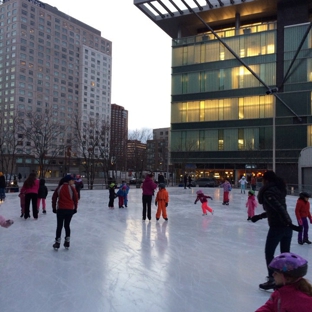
(303, 214)
(292, 292)
(64, 204)
(203, 199)
(148, 188)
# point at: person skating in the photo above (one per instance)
(2, 187)
(78, 184)
(5, 223)
(148, 188)
(292, 292)
(251, 204)
(64, 204)
(30, 188)
(121, 193)
(226, 185)
(112, 195)
(243, 183)
(203, 199)
(302, 212)
(272, 196)
(162, 200)
(42, 195)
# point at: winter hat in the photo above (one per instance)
(304, 195)
(112, 185)
(252, 192)
(162, 185)
(199, 192)
(68, 177)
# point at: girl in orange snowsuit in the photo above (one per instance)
(162, 199)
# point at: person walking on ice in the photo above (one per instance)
(203, 199)
(251, 204)
(162, 200)
(226, 190)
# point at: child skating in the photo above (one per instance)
(203, 199)
(302, 212)
(42, 195)
(292, 291)
(226, 190)
(162, 200)
(112, 195)
(22, 203)
(251, 204)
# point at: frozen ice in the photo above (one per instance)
(117, 262)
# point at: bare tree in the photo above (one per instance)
(45, 136)
(8, 145)
(141, 135)
(92, 139)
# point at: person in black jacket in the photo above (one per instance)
(272, 196)
(2, 187)
(42, 195)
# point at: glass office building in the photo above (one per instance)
(241, 84)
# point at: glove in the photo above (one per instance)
(194, 203)
(297, 228)
(155, 203)
(210, 197)
(75, 211)
(54, 210)
(311, 220)
(299, 221)
(166, 204)
(256, 218)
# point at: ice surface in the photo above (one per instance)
(117, 262)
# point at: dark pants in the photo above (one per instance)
(111, 202)
(33, 198)
(305, 226)
(63, 217)
(147, 203)
(277, 235)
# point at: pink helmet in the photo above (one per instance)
(290, 264)
(199, 192)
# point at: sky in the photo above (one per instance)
(141, 69)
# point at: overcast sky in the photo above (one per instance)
(141, 57)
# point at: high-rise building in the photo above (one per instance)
(241, 84)
(119, 137)
(50, 59)
(136, 157)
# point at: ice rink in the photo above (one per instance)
(118, 263)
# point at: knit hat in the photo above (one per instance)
(162, 185)
(252, 192)
(112, 185)
(68, 177)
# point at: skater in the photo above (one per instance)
(126, 189)
(203, 199)
(161, 178)
(30, 188)
(5, 223)
(185, 181)
(292, 292)
(253, 183)
(243, 183)
(121, 193)
(42, 195)
(162, 200)
(226, 189)
(189, 181)
(78, 184)
(19, 177)
(272, 196)
(148, 188)
(2, 187)
(64, 204)
(302, 212)
(112, 195)
(251, 204)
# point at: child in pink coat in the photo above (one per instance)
(5, 223)
(203, 199)
(251, 204)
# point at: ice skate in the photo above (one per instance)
(306, 241)
(44, 211)
(270, 284)
(204, 214)
(56, 245)
(67, 242)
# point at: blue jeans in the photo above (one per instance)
(277, 235)
(2, 193)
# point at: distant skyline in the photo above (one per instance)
(141, 70)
